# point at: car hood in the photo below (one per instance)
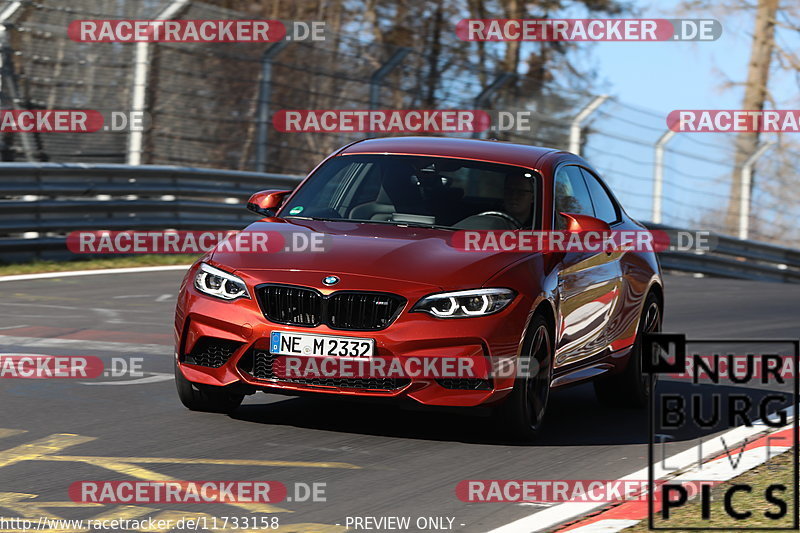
(419, 255)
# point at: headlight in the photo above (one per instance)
(218, 283)
(460, 304)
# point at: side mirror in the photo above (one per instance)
(582, 223)
(265, 203)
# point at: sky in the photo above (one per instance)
(663, 76)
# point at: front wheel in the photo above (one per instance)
(206, 398)
(522, 414)
(631, 388)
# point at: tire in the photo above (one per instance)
(206, 398)
(631, 387)
(522, 414)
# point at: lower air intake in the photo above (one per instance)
(211, 352)
(465, 383)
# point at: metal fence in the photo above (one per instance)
(49, 200)
(211, 104)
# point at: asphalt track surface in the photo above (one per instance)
(376, 460)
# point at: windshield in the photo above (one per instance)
(419, 191)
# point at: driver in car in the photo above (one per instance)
(518, 199)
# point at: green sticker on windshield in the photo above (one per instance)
(296, 210)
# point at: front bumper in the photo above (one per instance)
(244, 331)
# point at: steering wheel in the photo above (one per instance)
(517, 224)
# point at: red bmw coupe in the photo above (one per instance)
(390, 285)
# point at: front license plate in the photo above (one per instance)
(283, 343)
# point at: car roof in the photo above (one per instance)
(482, 150)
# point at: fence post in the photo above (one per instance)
(8, 82)
(484, 95)
(141, 79)
(264, 95)
(744, 193)
(580, 118)
(658, 174)
(377, 77)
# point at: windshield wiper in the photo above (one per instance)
(389, 222)
(408, 224)
(319, 218)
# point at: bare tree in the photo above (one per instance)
(771, 57)
(755, 98)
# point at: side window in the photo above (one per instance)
(604, 207)
(571, 195)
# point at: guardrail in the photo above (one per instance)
(736, 258)
(42, 202)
